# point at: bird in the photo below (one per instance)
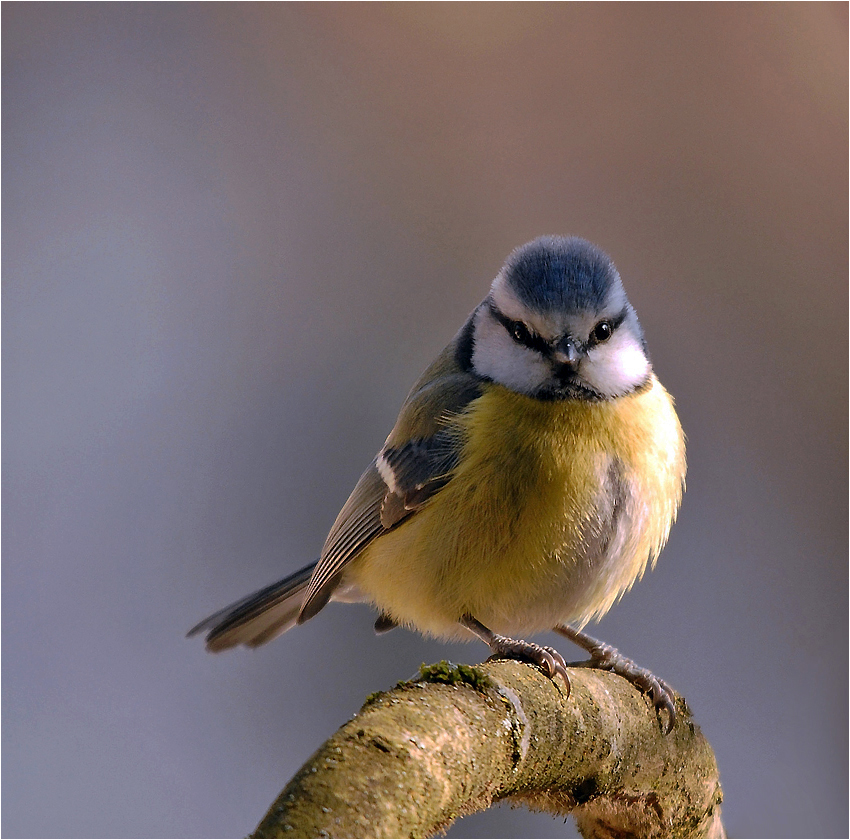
(533, 474)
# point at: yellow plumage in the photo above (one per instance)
(553, 511)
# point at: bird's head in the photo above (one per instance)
(557, 325)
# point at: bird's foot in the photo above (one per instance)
(545, 657)
(608, 658)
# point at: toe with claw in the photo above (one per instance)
(547, 658)
(607, 658)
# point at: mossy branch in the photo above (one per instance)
(416, 758)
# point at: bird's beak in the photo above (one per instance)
(566, 354)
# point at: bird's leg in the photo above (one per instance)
(547, 658)
(608, 658)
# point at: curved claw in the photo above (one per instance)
(546, 658)
(556, 665)
(607, 658)
(662, 698)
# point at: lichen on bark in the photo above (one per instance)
(460, 738)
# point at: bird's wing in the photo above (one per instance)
(416, 461)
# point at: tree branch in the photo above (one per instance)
(416, 758)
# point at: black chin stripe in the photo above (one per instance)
(466, 344)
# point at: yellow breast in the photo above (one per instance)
(554, 511)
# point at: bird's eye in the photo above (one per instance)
(520, 332)
(601, 332)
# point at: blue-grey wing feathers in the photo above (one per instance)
(415, 463)
(358, 523)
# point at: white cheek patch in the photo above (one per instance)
(616, 367)
(497, 356)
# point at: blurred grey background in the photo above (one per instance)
(233, 235)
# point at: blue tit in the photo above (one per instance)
(533, 474)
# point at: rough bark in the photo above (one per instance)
(416, 758)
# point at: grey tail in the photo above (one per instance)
(259, 617)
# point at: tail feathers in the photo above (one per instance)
(259, 617)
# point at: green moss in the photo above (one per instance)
(452, 674)
(373, 698)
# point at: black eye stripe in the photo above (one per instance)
(617, 319)
(520, 332)
(524, 335)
